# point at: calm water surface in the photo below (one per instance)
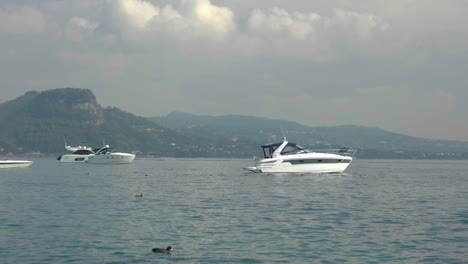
(211, 211)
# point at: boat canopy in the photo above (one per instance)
(290, 148)
(293, 148)
(276, 145)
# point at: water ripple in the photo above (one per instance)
(211, 211)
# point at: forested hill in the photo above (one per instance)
(372, 142)
(41, 121)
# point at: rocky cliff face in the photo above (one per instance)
(67, 103)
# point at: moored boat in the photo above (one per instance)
(289, 157)
(105, 155)
(80, 154)
(15, 163)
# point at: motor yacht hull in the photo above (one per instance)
(313, 162)
(282, 166)
(71, 158)
(111, 158)
(15, 163)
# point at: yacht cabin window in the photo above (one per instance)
(82, 152)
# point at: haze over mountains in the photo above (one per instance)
(41, 121)
(372, 142)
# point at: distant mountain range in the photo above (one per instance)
(246, 134)
(41, 121)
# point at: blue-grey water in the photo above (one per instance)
(211, 211)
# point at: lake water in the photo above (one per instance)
(211, 211)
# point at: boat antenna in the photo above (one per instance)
(284, 137)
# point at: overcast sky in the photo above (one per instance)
(401, 65)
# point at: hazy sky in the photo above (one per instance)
(401, 65)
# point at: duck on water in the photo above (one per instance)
(162, 250)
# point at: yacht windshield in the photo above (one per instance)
(103, 150)
(293, 149)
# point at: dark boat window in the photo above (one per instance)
(291, 148)
(269, 149)
(82, 152)
(268, 152)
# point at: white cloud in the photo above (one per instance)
(22, 20)
(218, 19)
(202, 19)
(280, 21)
(280, 32)
(360, 24)
(138, 13)
(316, 32)
(78, 27)
(274, 30)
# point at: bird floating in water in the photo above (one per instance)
(162, 250)
(139, 195)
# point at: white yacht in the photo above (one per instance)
(289, 157)
(104, 155)
(79, 154)
(15, 163)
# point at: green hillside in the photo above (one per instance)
(41, 121)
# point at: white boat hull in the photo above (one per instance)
(302, 168)
(111, 158)
(15, 163)
(303, 163)
(70, 158)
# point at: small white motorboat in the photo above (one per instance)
(104, 155)
(289, 157)
(15, 163)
